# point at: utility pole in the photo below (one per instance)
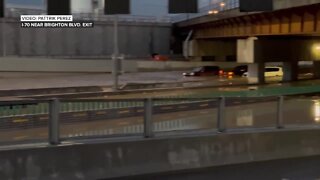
(115, 57)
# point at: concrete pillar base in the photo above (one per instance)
(256, 73)
(290, 71)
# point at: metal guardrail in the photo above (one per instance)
(147, 109)
(40, 108)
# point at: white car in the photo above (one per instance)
(270, 72)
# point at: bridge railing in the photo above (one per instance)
(209, 10)
(65, 120)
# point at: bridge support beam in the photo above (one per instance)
(290, 71)
(256, 73)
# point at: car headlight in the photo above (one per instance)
(184, 74)
(192, 74)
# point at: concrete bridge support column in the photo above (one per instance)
(316, 69)
(290, 71)
(256, 73)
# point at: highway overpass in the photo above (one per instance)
(288, 34)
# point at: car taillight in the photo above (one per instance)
(230, 73)
(221, 72)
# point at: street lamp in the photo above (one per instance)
(315, 50)
(222, 4)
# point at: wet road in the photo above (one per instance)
(257, 115)
(209, 87)
(191, 87)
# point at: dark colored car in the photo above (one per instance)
(240, 70)
(204, 71)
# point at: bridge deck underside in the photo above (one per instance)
(303, 20)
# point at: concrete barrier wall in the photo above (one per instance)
(135, 157)
(13, 64)
(172, 65)
(136, 39)
(61, 65)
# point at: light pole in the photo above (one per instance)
(4, 48)
(115, 57)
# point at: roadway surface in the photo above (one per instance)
(239, 114)
(22, 81)
(193, 86)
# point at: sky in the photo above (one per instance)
(138, 7)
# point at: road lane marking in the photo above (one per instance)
(204, 112)
(166, 108)
(123, 123)
(124, 112)
(20, 120)
(20, 137)
(44, 118)
(101, 113)
(204, 105)
(183, 107)
(80, 115)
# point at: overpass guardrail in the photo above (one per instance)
(148, 118)
(221, 6)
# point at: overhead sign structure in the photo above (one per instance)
(58, 7)
(256, 5)
(117, 7)
(183, 6)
